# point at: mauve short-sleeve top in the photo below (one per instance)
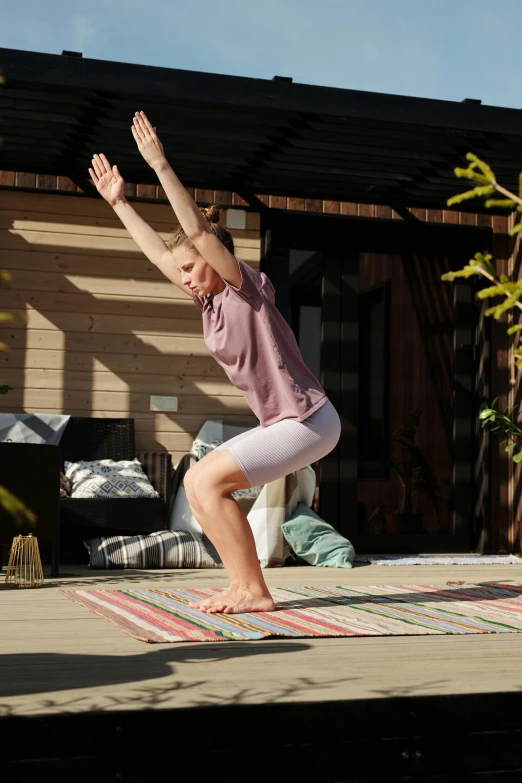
(247, 335)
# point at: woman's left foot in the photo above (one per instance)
(241, 601)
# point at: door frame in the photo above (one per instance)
(341, 240)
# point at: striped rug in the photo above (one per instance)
(376, 610)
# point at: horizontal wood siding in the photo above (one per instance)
(11, 179)
(104, 329)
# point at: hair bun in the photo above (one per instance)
(211, 213)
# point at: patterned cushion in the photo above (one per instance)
(166, 549)
(65, 486)
(250, 492)
(108, 479)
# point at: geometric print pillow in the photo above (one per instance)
(106, 478)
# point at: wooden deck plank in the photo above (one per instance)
(56, 656)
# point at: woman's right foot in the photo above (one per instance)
(235, 600)
(212, 600)
(242, 601)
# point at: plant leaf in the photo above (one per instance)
(508, 203)
(478, 192)
(15, 507)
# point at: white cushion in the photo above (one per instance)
(212, 434)
(106, 478)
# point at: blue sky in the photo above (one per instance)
(447, 49)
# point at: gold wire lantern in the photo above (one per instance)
(25, 567)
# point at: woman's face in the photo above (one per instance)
(195, 272)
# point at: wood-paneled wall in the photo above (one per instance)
(49, 182)
(420, 375)
(105, 330)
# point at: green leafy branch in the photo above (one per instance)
(482, 263)
(8, 501)
(478, 171)
(503, 422)
(15, 507)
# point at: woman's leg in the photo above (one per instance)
(209, 485)
(198, 511)
(252, 459)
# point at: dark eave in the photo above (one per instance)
(248, 135)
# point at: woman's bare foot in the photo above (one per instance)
(239, 600)
(212, 600)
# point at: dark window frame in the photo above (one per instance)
(377, 467)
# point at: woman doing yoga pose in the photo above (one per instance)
(246, 334)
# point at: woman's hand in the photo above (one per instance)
(148, 143)
(108, 180)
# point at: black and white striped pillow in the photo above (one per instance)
(165, 549)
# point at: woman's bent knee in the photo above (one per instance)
(203, 487)
(209, 487)
(190, 489)
(207, 482)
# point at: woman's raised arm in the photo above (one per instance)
(110, 185)
(197, 229)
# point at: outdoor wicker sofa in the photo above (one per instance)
(32, 473)
(88, 438)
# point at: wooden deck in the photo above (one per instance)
(57, 659)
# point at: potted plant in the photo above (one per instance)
(414, 473)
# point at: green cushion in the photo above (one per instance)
(315, 541)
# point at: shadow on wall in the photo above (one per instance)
(105, 330)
